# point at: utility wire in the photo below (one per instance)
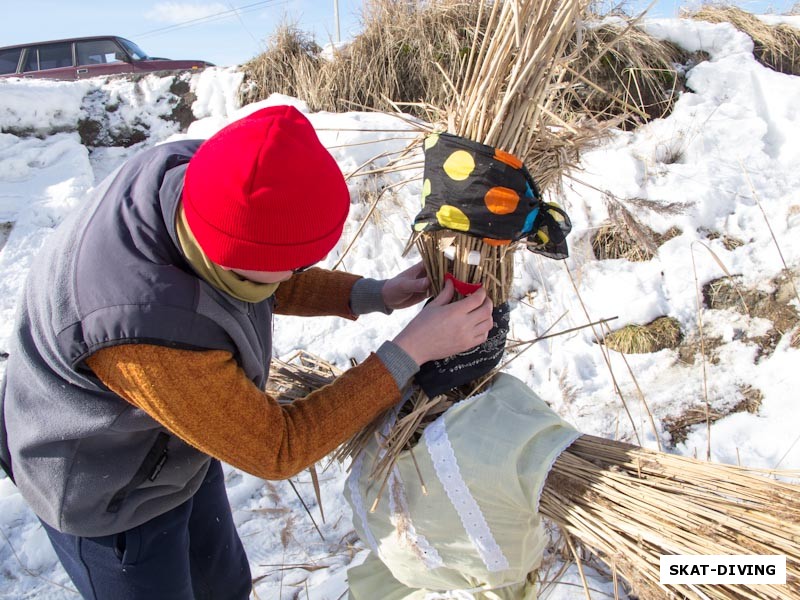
(212, 17)
(241, 22)
(223, 14)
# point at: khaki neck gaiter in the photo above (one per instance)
(225, 281)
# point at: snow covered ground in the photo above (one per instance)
(722, 169)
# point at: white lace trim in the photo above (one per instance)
(404, 527)
(444, 461)
(358, 502)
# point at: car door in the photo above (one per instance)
(49, 61)
(101, 57)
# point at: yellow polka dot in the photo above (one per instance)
(501, 200)
(431, 141)
(452, 218)
(420, 226)
(459, 165)
(426, 191)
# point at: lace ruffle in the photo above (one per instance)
(446, 466)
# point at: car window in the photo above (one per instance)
(9, 60)
(98, 52)
(134, 50)
(49, 56)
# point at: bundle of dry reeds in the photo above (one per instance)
(468, 259)
(630, 506)
(298, 376)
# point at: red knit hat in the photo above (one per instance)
(263, 194)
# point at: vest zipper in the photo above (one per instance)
(264, 358)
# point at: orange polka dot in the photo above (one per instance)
(507, 158)
(491, 242)
(501, 200)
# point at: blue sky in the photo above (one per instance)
(230, 37)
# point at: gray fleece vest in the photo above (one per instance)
(87, 461)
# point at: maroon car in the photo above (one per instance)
(80, 58)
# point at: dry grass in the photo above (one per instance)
(406, 53)
(613, 241)
(624, 236)
(290, 66)
(298, 376)
(623, 74)
(709, 350)
(795, 341)
(662, 333)
(775, 306)
(630, 506)
(775, 46)
(413, 55)
(512, 73)
(678, 426)
(729, 242)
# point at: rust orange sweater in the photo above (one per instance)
(208, 401)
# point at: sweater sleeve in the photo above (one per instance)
(205, 398)
(316, 292)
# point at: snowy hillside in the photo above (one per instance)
(716, 184)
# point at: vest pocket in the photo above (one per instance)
(126, 546)
(149, 469)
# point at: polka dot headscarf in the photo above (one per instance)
(487, 193)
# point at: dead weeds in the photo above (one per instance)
(660, 334)
(625, 75)
(678, 427)
(775, 306)
(729, 242)
(625, 236)
(691, 348)
(774, 46)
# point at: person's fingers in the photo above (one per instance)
(420, 285)
(473, 301)
(445, 296)
(418, 270)
(480, 338)
(484, 309)
(485, 325)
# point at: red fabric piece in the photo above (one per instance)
(462, 287)
(264, 194)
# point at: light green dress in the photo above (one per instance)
(478, 533)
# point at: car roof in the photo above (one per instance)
(73, 39)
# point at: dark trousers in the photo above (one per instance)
(189, 553)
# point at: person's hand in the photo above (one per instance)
(406, 289)
(443, 328)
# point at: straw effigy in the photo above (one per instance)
(510, 79)
(629, 506)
